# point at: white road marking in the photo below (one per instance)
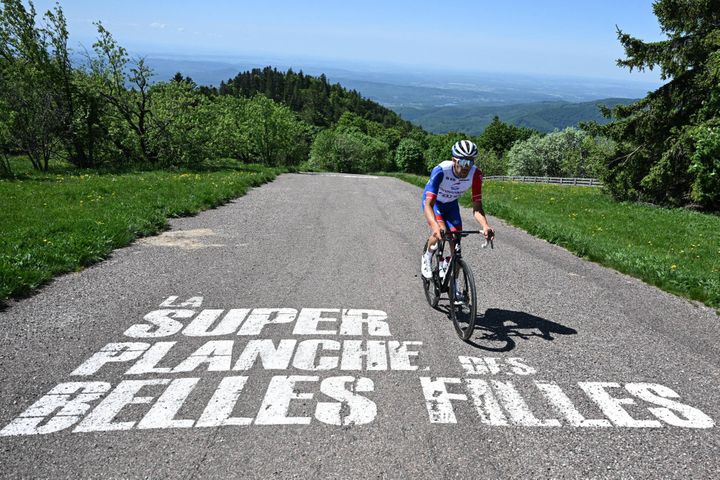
(156, 403)
(565, 407)
(345, 175)
(516, 407)
(612, 406)
(218, 412)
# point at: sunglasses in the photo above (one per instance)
(465, 162)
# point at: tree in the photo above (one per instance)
(498, 137)
(182, 120)
(349, 120)
(492, 163)
(27, 83)
(316, 100)
(439, 148)
(526, 158)
(230, 138)
(564, 153)
(348, 151)
(664, 141)
(277, 137)
(409, 157)
(705, 165)
(6, 121)
(113, 71)
(76, 104)
(55, 108)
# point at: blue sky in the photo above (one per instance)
(552, 37)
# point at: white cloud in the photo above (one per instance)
(158, 25)
(181, 29)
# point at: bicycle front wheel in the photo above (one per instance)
(463, 300)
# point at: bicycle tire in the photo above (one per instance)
(463, 315)
(432, 292)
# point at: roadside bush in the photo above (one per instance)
(6, 120)
(566, 153)
(526, 158)
(409, 157)
(492, 163)
(705, 167)
(350, 151)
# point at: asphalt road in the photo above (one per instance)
(286, 335)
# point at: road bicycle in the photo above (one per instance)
(453, 276)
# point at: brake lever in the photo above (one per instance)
(489, 241)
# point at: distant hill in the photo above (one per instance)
(541, 116)
(438, 102)
(316, 100)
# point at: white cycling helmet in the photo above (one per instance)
(464, 149)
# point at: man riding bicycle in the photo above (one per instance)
(448, 181)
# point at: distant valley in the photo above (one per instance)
(541, 116)
(440, 101)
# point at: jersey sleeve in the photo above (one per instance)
(477, 186)
(433, 185)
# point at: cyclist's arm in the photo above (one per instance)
(431, 192)
(478, 211)
(479, 214)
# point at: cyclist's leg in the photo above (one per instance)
(451, 215)
(438, 218)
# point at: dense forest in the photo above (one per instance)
(316, 100)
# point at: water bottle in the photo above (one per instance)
(444, 266)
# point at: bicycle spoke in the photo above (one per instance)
(463, 301)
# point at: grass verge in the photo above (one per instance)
(674, 249)
(61, 221)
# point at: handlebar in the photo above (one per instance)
(464, 233)
(458, 233)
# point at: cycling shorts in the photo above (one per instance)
(447, 212)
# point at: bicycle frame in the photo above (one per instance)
(462, 298)
(444, 283)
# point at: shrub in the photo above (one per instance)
(349, 151)
(409, 157)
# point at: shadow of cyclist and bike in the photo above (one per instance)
(497, 329)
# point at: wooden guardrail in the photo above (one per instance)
(584, 182)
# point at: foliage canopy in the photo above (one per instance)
(667, 143)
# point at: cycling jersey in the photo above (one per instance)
(446, 188)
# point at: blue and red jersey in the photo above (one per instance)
(446, 188)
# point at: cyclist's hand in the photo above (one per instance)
(437, 232)
(489, 233)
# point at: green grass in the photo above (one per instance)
(66, 219)
(675, 249)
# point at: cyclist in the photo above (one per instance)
(448, 181)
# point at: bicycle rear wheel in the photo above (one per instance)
(432, 291)
(463, 300)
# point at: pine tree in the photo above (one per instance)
(669, 142)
